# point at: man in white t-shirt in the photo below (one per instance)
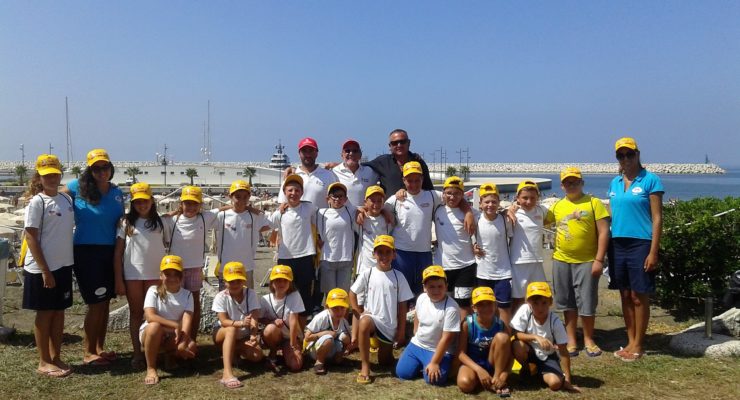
(315, 179)
(356, 177)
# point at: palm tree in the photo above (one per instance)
(451, 171)
(133, 171)
(191, 173)
(21, 171)
(250, 172)
(76, 171)
(465, 171)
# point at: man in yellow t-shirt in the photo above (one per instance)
(582, 238)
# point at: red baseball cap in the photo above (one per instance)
(308, 141)
(350, 141)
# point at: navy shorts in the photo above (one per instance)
(304, 278)
(501, 289)
(37, 297)
(551, 365)
(629, 265)
(94, 272)
(411, 264)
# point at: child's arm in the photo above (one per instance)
(34, 247)
(432, 369)
(295, 327)
(150, 314)
(400, 338)
(118, 266)
(357, 309)
(469, 223)
(565, 364)
(544, 343)
(602, 228)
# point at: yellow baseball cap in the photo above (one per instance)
(293, 178)
(233, 271)
(171, 262)
(48, 164)
(281, 272)
(433, 271)
(384, 240)
(191, 193)
(371, 190)
(412, 167)
(140, 190)
(527, 184)
(627, 142)
(454, 181)
(570, 172)
(336, 185)
(337, 298)
(487, 188)
(483, 293)
(96, 155)
(538, 289)
(239, 185)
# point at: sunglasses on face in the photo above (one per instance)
(100, 168)
(399, 142)
(350, 151)
(337, 196)
(570, 183)
(626, 154)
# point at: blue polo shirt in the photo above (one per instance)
(631, 217)
(96, 224)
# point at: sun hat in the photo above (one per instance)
(234, 270)
(337, 298)
(239, 185)
(192, 193)
(412, 167)
(454, 181)
(482, 293)
(96, 155)
(281, 272)
(140, 190)
(384, 240)
(570, 172)
(487, 188)
(171, 262)
(538, 289)
(433, 271)
(48, 164)
(371, 190)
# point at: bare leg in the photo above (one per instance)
(367, 329)
(135, 292)
(196, 315)
(642, 317)
(42, 333)
(505, 315)
(103, 326)
(467, 380)
(628, 312)
(323, 351)
(226, 338)
(152, 339)
(571, 326)
(588, 323)
(55, 339)
(500, 357)
(97, 315)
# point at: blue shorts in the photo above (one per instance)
(411, 264)
(483, 364)
(414, 361)
(93, 270)
(551, 365)
(629, 265)
(501, 289)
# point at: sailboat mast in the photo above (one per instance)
(69, 136)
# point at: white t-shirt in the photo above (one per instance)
(55, 218)
(454, 243)
(296, 236)
(336, 226)
(413, 231)
(315, 185)
(434, 319)
(526, 243)
(322, 322)
(356, 182)
(553, 329)
(223, 302)
(382, 291)
(371, 228)
(242, 233)
(189, 237)
(172, 309)
(273, 308)
(492, 237)
(144, 249)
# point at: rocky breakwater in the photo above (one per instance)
(586, 168)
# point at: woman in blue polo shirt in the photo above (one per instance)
(98, 206)
(635, 198)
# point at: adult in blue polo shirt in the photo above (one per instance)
(98, 206)
(636, 201)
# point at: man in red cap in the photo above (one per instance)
(315, 180)
(389, 166)
(355, 176)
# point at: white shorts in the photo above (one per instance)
(522, 275)
(337, 347)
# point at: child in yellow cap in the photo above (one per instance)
(168, 312)
(236, 331)
(336, 228)
(139, 249)
(540, 337)
(280, 310)
(436, 327)
(327, 335)
(47, 264)
(484, 347)
(383, 313)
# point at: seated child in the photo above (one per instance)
(484, 347)
(280, 310)
(327, 335)
(436, 327)
(539, 333)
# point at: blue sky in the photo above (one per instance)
(511, 81)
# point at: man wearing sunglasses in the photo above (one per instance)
(355, 176)
(389, 167)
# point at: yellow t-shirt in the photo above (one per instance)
(577, 238)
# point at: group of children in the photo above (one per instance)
(471, 309)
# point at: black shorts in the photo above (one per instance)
(551, 365)
(304, 278)
(94, 272)
(460, 283)
(37, 297)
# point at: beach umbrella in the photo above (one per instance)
(7, 233)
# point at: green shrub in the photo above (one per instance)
(696, 260)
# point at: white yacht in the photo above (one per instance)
(279, 160)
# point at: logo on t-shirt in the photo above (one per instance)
(119, 199)
(636, 190)
(424, 205)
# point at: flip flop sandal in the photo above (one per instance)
(619, 353)
(363, 379)
(573, 351)
(273, 366)
(98, 362)
(231, 383)
(503, 392)
(151, 380)
(54, 373)
(319, 369)
(593, 351)
(631, 357)
(109, 355)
